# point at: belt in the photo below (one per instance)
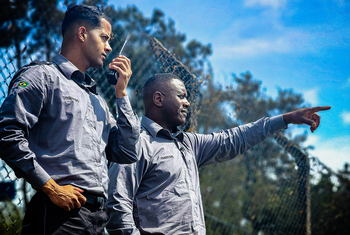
(94, 200)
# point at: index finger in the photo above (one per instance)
(81, 199)
(76, 202)
(125, 59)
(320, 108)
(78, 189)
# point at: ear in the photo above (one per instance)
(82, 33)
(158, 99)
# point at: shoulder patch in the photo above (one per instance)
(21, 84)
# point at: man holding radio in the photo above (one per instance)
(57, 132)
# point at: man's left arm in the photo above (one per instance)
(227, 144)
(123, 142)
(223, 146)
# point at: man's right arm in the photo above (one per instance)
(67, 197)
(18, 114)
(123, 185)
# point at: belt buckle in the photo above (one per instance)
(100, 201)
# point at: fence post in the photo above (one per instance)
(308, 196)
(303, 199)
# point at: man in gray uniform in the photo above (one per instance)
(160, 193)
(57, 132)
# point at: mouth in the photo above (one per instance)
(104, 56)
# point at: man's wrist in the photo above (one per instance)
(49, 187)
(278, 123)
(119, 93)
(286, 118)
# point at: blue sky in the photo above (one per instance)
(299, 45)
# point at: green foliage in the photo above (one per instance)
(14, 28)
(45, 19)
(144, 64)
(254, 193)
(13, 16)
(253, 190)
(331, 213)
(10, 217)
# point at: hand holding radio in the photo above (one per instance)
(122, 67)
(113, 75)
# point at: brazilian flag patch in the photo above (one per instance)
(21, 84)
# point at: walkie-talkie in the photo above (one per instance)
(112, 75)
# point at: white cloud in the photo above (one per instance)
(265, 32)
(286, 43)
(345, 117)
(311, 96)
(312, 140)
(252, 47)
(332, 152)
(261, 35)
(265, 3)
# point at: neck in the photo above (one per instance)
(73, 54)
(160, 122)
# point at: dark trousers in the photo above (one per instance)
(44, 217)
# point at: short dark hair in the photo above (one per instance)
(83, 13)
(156, 81)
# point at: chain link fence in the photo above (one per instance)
(243, 196)
(278, 209)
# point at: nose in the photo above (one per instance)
(108, 47)
(187, 104)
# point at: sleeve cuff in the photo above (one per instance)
(277, 123)
(124, 105)
(38, 177)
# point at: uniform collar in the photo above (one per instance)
(154, 129)
(70, 71)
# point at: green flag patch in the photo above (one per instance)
(21, 84)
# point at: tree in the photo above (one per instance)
(255, 192)
(330, 203)
(11, 217)
(144, 64)
(261, 193)
(45, 19)
(13, 25)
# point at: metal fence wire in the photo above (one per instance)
(238, 196)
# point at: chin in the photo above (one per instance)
(182, 122)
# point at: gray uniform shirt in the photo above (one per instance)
(53, 126)
(160, 193)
